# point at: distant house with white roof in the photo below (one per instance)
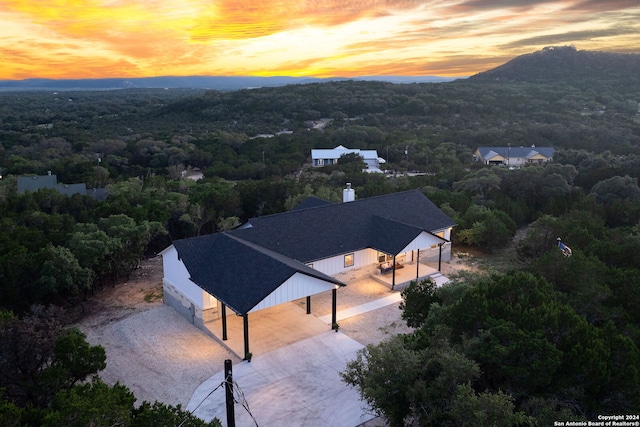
(514, 156)
(329, 156)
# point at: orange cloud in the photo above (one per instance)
(246, 19)
(128, 38)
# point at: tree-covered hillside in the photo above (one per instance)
(566, 64)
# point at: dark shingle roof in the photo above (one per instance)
(238, 273)
(311, 202)
(34, 183)
(71, 189)
(242, 267)
(387, 223)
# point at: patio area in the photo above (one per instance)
(403, 276)
(269, 329)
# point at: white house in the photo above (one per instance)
(514, 156)
(326, 157)
(316, 247)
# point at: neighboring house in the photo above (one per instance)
(35, 183)
(327, 157)
(514, 156)
(314, 248)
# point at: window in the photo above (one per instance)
(348, 260)
(382, 257)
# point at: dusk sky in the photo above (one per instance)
(322, 38)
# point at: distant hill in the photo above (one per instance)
(224, 83)
(566, 64)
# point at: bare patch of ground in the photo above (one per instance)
(141, 292)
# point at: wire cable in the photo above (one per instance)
(243, 401)
(202, 401)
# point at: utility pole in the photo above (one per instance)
(228, 388)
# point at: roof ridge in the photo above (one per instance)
(334, 204)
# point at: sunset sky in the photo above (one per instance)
(322, 38)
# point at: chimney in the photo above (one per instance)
(348, 194)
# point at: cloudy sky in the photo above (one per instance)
(138, 38)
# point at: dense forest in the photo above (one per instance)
(475, 340)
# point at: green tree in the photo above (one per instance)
(133, 239)
(351, 163)
(61, 274)
(408, 383)
(159, 414)
(471, 409)
(95, 249)
(528, 342)
(416, 301)
(488, 229)
(97, 404)
(616, 188)
(39, 357)
(481, 182)
(91, 404)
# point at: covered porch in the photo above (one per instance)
(271, 328)
(401, 277)
(413, 263)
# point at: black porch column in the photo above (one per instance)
(334, 303)
(309, 304)
(393, 274)
(440, 257)
(224, 322)
(245, 321)
(418, 265)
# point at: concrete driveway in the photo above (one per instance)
(297, 385)
(293, 378)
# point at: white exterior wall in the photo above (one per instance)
(176, 276)
(335, 265)
(297, 286)
(424, 240)
(446, 233)
(372, 162)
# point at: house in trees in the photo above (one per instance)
(35, 183)
(514, 156)
(326, 157)
(316, 247)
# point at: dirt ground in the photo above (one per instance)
(160, 356)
